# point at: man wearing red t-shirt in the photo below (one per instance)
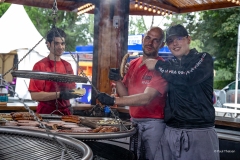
(46, 92)
(144, 92)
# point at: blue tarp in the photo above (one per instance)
(131, 48)
(138, 48)
(84, 49)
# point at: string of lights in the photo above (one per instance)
(234, 1)
(147, 7)
(151, 8)
(85, 8)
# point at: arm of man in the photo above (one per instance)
(121, 89)
(138, 99)
(44, 96)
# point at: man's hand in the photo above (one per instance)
(115, 76)
(105, 99)
(150, 63)
(66, 95)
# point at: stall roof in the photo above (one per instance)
(172, 6)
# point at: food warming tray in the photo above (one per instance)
(23, 144)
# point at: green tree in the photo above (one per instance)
(3, 8)
(76, 27)
(137, 25)
(218, 31)
(91, 26)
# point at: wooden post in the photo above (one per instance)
(110, 41)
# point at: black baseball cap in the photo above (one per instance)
(176, 30)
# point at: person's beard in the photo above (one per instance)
(151, 54)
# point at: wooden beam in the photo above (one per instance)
(110, 42)
(39, 4)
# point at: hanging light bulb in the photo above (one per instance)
(141, 6)
(149, 8)
(163, 13)
(233, 1)
(237, 2)
(170, 14)
(154, 9)
(158, 12)
(136, 4)
(145, 7)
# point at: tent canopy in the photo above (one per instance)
(17, 31)
(18, 36)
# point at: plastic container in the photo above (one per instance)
(3, 94)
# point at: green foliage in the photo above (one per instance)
(3, 8)
(223, 74)
(91, 25)
(176, 19)
(76, 27)
(221, 84)
(136, 25)
(196, 44)
(217, 30)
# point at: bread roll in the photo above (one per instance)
(124, 61)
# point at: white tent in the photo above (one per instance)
(17, 32)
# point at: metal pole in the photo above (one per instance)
(237, 69)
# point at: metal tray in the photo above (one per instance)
(96, 119)
(50, 76)
(47, 117)
(51, 116)
(94, 136)
(102, 136)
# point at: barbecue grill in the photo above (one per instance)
(86, 136)
(23, 144)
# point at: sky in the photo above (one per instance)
(158, 21)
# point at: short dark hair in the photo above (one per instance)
(55, 32)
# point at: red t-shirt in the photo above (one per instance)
(46, 65)
(137, 80)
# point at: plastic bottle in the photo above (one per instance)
(107, 111)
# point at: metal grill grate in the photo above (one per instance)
(56, 77)
(31, 145)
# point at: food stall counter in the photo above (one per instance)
(18, 106)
